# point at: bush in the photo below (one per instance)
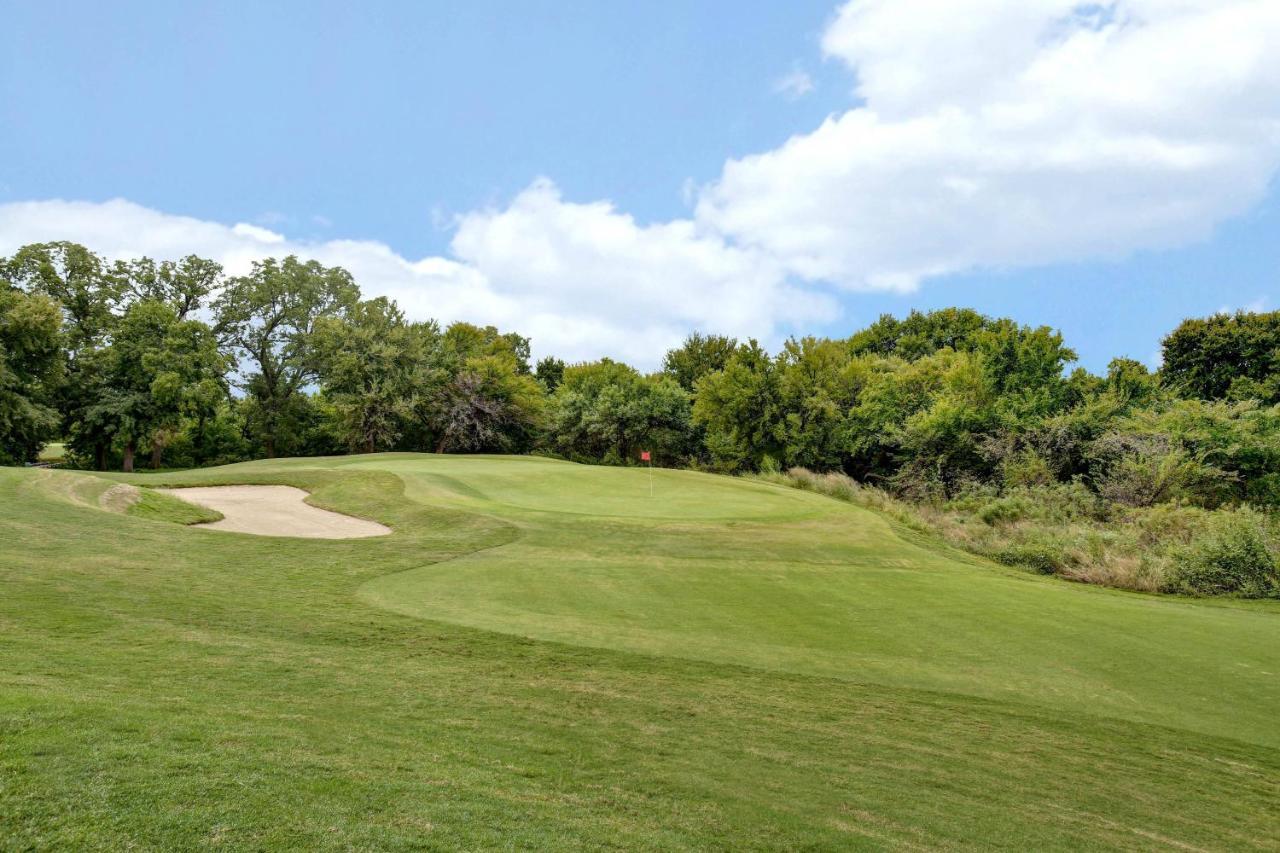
(1147, 469)
(1005, 510)
(1044, 559)
(1027, 469)
(1232, 558)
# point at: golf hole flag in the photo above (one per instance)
(644, 456)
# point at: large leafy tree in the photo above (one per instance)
(79, 280)
(30, 367)
(370, 363)
(89, 295)
(156, 370)
(268, 317)
(699, 355)
(818, 384)
(489, 404)
(740, 407)
(185, 285)
(921, 333)
(550, 372)
(608, 412)
(1226, 356)
(463, 341)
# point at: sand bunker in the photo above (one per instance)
(275, 511)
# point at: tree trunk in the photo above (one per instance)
(199, 442)
(271, 446)
(128, 456)
(440, 445)
(100, 457)
(156, 449)
(368, 445)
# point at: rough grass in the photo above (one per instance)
(158, 506)
(806, 677)
(1060, 530)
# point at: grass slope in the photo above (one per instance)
(543, 655)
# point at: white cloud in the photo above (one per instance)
(992, 133)
(794, 84)
(582, 279)
(980, 133)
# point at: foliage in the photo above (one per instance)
(1232, 556)
(550, 372)
(268, 317)
(607, 412)
(489, 405)
(1233, 356)
(699, 355)
(740, 408)
(157, 370)
(370, 362)
(30, 368)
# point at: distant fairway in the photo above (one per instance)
(544, 655)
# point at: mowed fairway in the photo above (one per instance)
(546, 655)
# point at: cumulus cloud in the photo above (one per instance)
(991, 133)
(980, 133)
(582, 279)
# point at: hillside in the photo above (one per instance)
(547, 654)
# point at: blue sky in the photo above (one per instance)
(418, 126)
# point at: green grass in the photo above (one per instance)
(158, 506)
(543, 655)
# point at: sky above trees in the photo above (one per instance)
(605, 178)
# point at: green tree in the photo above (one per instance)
(1131, 381)
(740, 408)
(185, 285)
(77, 279)
(30, 368)
(608, 412)
(89, 296)
(921, 333)
(818, 384)
(268, 317)
(1226, 355)
(550, 372)
(157, 369)
(463, 341)
(699, 355)
(368, 362)
(489, 404)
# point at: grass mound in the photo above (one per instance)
(158, 506)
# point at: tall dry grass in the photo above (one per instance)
(1060, 529)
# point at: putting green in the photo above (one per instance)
(735, 571)
(545, 655)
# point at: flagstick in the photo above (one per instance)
(650, 478)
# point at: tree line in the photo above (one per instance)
(181, 363)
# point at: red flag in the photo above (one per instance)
(644, 456)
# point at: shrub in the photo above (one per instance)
(1233, 557)
(1041, 558)
(1005, 510)
(1027, 468)
(1147, 469)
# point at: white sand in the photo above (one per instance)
(275, 511)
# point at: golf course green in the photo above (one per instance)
(556, 656)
